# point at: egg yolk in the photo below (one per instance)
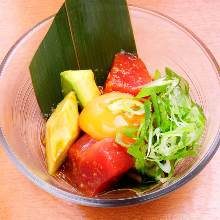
(100, 122)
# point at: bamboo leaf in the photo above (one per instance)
(84, 35)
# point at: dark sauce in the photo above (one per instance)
(65, 172)
(131, 181)
(101, 89)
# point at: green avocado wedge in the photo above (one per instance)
(62, 129)
(82, 82)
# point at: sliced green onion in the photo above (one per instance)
(156, 108)
(157, 75)
(156, 86)
(118, 140)
(127, 105)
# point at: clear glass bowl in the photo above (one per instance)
(161, 42)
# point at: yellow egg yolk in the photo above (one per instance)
(100, 122)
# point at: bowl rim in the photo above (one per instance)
(97, 202)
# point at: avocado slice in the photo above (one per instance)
(82, 82)
(62, 129)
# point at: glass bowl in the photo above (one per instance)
(161, 42)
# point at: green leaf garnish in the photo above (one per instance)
(156, 108)
(147, 108)
(84, 35)
(156, 86)
(171, 132)
(157, 74)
